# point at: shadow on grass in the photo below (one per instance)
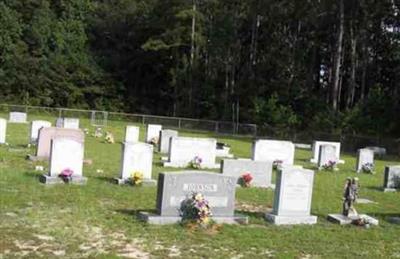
(251, 214)
(34, 174)
(105, 179)
(374, 188)
(135, 212)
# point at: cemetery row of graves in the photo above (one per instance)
(192, 190)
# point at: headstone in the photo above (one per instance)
(153, 131)
(315, 150)
(184, 149)
(132, 134)
(175, 187)
(60, 123)
(364, 156)
(293, 196)
(71, 123)
(273, 150)
(136, 157)
(327, 153)
(35, 127)
(261, 171)
(165, 137)
(46, 135)
(392, 178)
(3, 130)
(223, 150)
(18, 117)
(65, 154)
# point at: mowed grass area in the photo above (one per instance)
(99, 220)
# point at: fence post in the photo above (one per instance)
(143, 120)
(216, 127)
(179, 123)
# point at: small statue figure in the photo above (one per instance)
(350, 196)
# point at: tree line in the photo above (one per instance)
(307, 65)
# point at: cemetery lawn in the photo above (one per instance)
(99, 220)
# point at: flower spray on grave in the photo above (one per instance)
(137, 178)
(331, 165)
(66, 175)
(196, 212)
(109, 138)
(195, 163)
(368, 168)
(154, 141)
(98, 133)
(245, 179)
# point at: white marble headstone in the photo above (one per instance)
(3, 130)
(35, 127)
(71, 123)
(132, 134)
(66, 154)
(273, 150)
(315, 150)
(136, 157)
(18, 117)
(165, 137)
(364, 156)
(153, 131)
(327, 153)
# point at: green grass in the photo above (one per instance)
(99, 219)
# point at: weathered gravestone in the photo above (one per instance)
(153, 132)
(3, 130)
(35, 127)
(71, 123)
(46, 135)
(66, 154)
(273, 150)
(184, 150)
(316, 147)
(136, 158)
(18, 117)
(364, 157)
(175, 187)
(132, 134)
(293, 196)
(261, 171)
(165, 138)
(392, 178)
(327, 154)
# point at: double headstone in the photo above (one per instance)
(261, 171)
(3, 130)
(316, 150)
(35, 127)
(273, 150)
(66, 154)
(18, 117)
(392, 178)
(136, 158)
(364, 156)
(184, 150)
(176, 187)
(153, 132)
(165, 138)
(327, 154)
(293, 196)
(132, 134)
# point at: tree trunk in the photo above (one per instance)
(352, 83)
(338, 58)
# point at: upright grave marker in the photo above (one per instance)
(365, 157)
(136, 158)
(3, 130)
(316, 147)
(293, 196)
(35, 127)
(66, 154)
(261, 171)
(153, 132)
(392, 178)
(71, 123)
(165, 137)
(18, 117)
(132, 134)
(273, 150)
(175, 187)
(184, 150)
(327, 155)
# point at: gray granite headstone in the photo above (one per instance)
(293, 196)
(175, 187)
(165, 136)
(261, 171)
(392, 178)
(364, 156)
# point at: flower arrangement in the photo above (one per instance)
(86, 131)
(196, 162)
(330, 166)
(154, 141)
(245, 179)
(98, 133)
(137, 178)
(368, 168)
(66, 174)
(196, 208)
(277, 163)
(362, 222)
(110, 138)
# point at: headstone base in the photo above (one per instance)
(344, 220)
(164, 220)
(394, 220)
(145, 182)
(36, 158)
(390, 190)
(314, 161)
(183, 165)
(291, 220)
(46, 179)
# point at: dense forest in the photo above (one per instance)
(308, 65)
